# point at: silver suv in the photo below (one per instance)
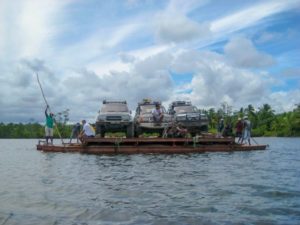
(189, 116)
(144, 121)
(114, 116)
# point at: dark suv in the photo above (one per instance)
(189, 116)
(144, 122)
(114, 116)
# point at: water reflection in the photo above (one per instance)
(211, 188)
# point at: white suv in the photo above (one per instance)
(114, 116)
(144, 122)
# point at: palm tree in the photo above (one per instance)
(212, 117)
(266, 116)
(252, 115)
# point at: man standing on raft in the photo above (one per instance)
(49, 126)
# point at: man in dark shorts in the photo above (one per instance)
(75, 132)
(239, 130)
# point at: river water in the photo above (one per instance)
(258, 187)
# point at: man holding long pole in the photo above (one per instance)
(49, 126)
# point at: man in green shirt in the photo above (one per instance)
(49, 125)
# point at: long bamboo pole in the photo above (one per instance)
(47, 105)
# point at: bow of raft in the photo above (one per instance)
(150, 146)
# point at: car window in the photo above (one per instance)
(114, 108)
(146, 109)
(185, 109)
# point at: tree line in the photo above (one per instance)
(265, 122)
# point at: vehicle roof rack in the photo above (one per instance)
(148, 101)
(114, 101)
(180, 103)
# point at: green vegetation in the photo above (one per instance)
(264, 120)
(264, 123)
(31, 130)
(36, 130)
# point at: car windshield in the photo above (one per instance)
(185, 109)
(146, 109)
(114, 108)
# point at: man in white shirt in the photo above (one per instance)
(87, 130)
(247, 130)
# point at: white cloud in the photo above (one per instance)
(146, 79)
(291, 72)
(29, 27)
(157, 62)
(82, 91)
(268, 36)
(283, 101)
(173, 24)
(122, 59)
(126, 58)
(146, 52)
(216, 82)
(184, 7)
(241, 52)
(102, 68)
(20, 96)
(250, 16)
(96, 47)
(179, 28)
(187, 61)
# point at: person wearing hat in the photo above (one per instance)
(157, 113)
(247, 130)
(49, 126)
(239, 130)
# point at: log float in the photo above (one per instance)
(151, 146)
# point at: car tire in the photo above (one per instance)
(161, 133)
(204, 128)
(137, 132)
(130, 131)
(193, 134)
(100, 131)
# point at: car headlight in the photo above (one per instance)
(145, 119)
(180, 118)
(148, 119)
(167, 119)
(194, 118)
(101, 118)
(204, 117)
(126, 117)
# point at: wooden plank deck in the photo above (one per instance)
(151, 145)
(164, 141)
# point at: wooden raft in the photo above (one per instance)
(151, 145)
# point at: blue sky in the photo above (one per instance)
(204, 51)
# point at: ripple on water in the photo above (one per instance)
(260, 187)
